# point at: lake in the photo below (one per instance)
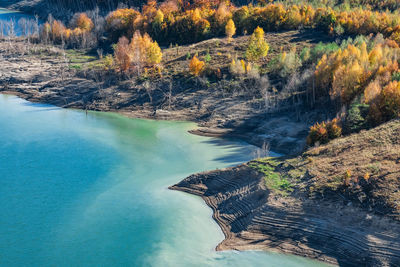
(81, 189)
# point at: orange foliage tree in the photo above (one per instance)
(83, 22)
(81, 26)
(390, 100)
(196, 66)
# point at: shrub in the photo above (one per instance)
(207, 57)
(108, 62)
(333, 128)
(240, 67)
(396, 76)
(305, 54)
(288, 63)
(318, 133)
(323, 132)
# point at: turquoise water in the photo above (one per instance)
(90, 189)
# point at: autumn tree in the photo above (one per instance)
(221, 15)
(153, 53)
(390, 100)
(230, 29)
(82, 21)
(372, 91)
(121, 22)
(142, 51)
(347, 80)
(258, 47)
(122, 54)
(57, 31)
(323, 132)
(196, 66)
(145, 50)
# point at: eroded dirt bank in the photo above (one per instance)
(320, 213)
(253, 218)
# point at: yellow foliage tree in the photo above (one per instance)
(230, 29)
(196, 66)
(154, 54)
(144, 50)
(346, 81)
(159, 18)
(258, 47)
(196, 16)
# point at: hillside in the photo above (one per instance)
(310, 205)
(316, 81)
(230, 106)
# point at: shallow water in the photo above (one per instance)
(81, 189)
(10, 21)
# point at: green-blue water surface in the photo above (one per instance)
(81, 189)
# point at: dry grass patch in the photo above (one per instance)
(362, 168)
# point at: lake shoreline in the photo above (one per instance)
(47, 79)
(254, 218)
